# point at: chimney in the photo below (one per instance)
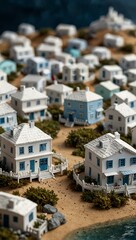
(22, 88)
(117, 135)
(13, 131)
(78, 89)
(31, 124)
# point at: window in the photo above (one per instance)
(128, 119)
(98, 162)
(11, 149)
(56, 100)
(42, 147)
(110, 117)
(98, 178)
(15, 103)
(42, 113)
(15, 219)
(2, 120)
(110, 179)
(90, 155)
(90, 171)
(31, 216)
(81, 105)
(40, 65)
(119, 119)
(131, 104)
(133, 161)
(133, 117)
(109, 164)
(21, 150)
(28, 104)
(134, 177)
(30, 149)
(122, 162)
(103, 73)
(22, 166)
(69, 104)
(38, 102)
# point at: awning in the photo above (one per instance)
(128, 172)
(111, 174)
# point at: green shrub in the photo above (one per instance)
(1, 130)
(133, 196)
(70, 174)
(90, 180)
(16, 193)
(50, 127)
(102, 201)
(55, 110)
(115, 199)
(88, 196)
(9, 182)
(128, 48)
(45, 31)
(42, 216)
(41, 196)
(12, 76)
(36, 224)
(109, 62)
(80, 169)
(75, 187)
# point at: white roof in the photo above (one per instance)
(63, 54)
(21, 206)
(32, 78)
(65, 26)
(84, 96)
(59, 88)
(132, 84)
(46, 47)
(111, 146)
(26, 25)
(53, 40)
(133, 70)
(123, 109)
(27, 94)
(111, 36)
(109, 85)
(112, 68)
(5, 108)
(19, 48)
(129, 57)
(26, 133)
(90, 56)
(6, 87)
(126, 95)
(37, 59)
(100, 49)
(76, 65)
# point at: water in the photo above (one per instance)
(49, 13)
(121, 230)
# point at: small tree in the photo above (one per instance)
(50, 127)
(128, 48)
(55, 110)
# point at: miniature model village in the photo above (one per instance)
(67, 123)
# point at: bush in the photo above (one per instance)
(12, 76)
(115, 199)
(80, 169)
(42, 216)
(70, 174)
(16, 193)
(90, 180)
(75, 187)
(133, 196)
(128, 48)
(50, 127)
(36, 224)
(102, 201)
(55, 110)
(45, 31)
(81, 85)
(88, 196)
(41, 196)
(1, 130)
(109, 62)
(6, 181)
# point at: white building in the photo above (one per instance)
(110, 160)
(53, 41)
(108, 72)
(120, 117)
(30, 103)
(47, 51)
(17, 212)
(65, 58)
(75, 73)
(36, 65)
(111, 40)
(132, 87)
(37, 81)
(26, 148)
(58, 92)
(120, 80)
(6, 90)
(124, 96)
(128, 62)
(26, 29)
(90, 60)
(3, 76)
(8, 116)
(102, 53)
(21, 40)
(131, 75)
(55, 66)
(8, 36)
(66, 29)
(21, 54)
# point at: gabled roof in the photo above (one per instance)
(132, 84)
(125, 95)
(5, 108)
(25, 133)
(108, 145)
(133, 70)
(112, 67)
(38, 59)
(84, 96)
(19, 48)
(32, 78)
(100, 49)
(59, 88)
(6, 87)
(109, 85)
(129, 57)
(123, 109)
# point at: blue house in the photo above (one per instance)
(82, 107)
(8, 66)
(106, 89)
(77, 43)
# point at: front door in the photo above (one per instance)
(6, 221)
(31, 116)
(43, 164)
(32, 165)
(126, 179)
(71, 118)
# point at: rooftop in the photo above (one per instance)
(109, 85)
(32, 78)
(129, 57)
(126, 95)
(123, 109)
(112, 67)
(28, 94)
(59, 87)
(6, 87)
(5, 108)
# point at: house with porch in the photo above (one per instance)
(128, 62)
(102, 53)
(110, 160)
(8, 66)
(120, 117)
(8, 116)
(108, 72)
(124, 96)
(20, 54)
(30, 104)
(106, 89)
(6, 90)
(34, 80)
(82, 107)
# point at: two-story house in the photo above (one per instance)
(120, 117)
(110, 160)
(20, 54)
(33, 80)
(8, 116)
(124, 96)
(106, 89)
(108, 72)
(30, 103)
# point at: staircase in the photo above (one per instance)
(69, 124)
(46, 175)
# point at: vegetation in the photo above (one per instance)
(12, 76)
(16, 192)
(128, 48)
(82, 33)
(42, 216)
(1, 130)
(132, 33)
(55, 110)
(127, 138)
(45, 31)
(6, 181)
(6, 234)
(109, 62)
(37, 224)
(88, 196)
(50, 127)
(133, 196)
(78, 138)
(41, 196)
(21, 120)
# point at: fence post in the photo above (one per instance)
(10, 174)
(126, 189)
(83, 183)
(39, 175)
(18, 178)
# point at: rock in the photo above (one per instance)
(53, 223)
(49, 209)
(59, 216)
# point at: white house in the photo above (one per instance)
(124, 96)
(30, 103)
(53, 41)
(57, 93)
(132, 87)
(36, 65)
(8, 36)
(120, 80)
(55, 66)
(3, 76)
(66, 29)
(26, 148)
(120, 117)
(21, 54)
(131, 75)
(37, 81)
(77, 43)
(6, 90)
(128, 62)
(65, 58)
(26, 29)
(110, 160)
(90, 60)
(111, 40)
(108, 72)
(8, 116)
(47, 51)
(21, 40)
(102, 53)
(17, 212)
(75, 73)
